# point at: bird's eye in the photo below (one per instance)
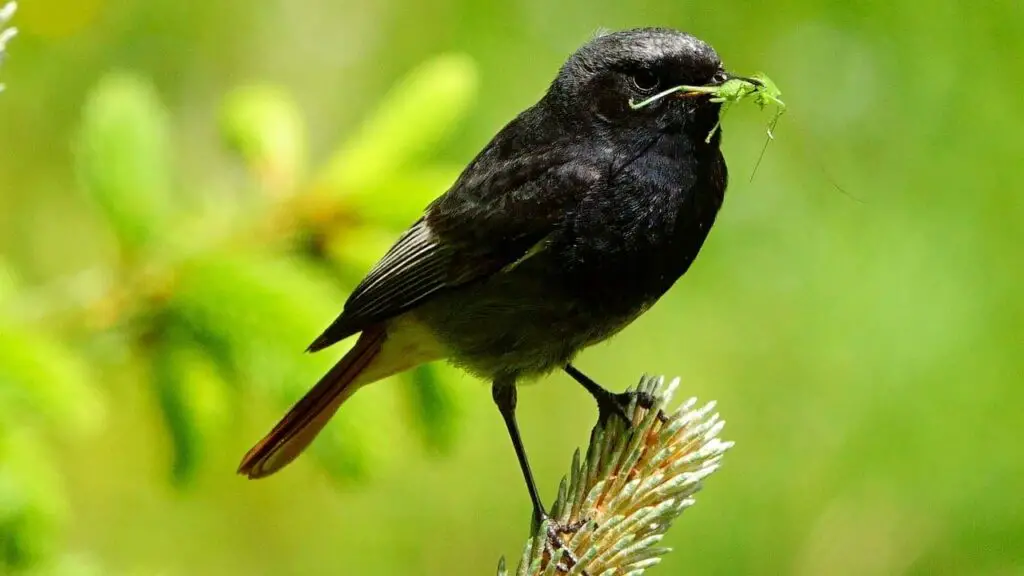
(645, 81)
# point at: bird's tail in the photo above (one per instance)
(307, 418)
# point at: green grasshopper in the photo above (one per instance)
(759, 87)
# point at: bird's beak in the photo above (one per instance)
(723, 76)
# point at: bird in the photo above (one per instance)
(579, 215)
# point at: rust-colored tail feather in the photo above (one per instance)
(307, 418)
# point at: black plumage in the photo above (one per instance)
(569, 224)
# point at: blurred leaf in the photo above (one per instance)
(123, 156)
(339, 450)
(411, 119)
(192, 399)
(262, 312)
(263, 309)
(435, 405)
(31, 504)
(70, 565)
(8, 282)
(41, 379)
(265, 126)
(357, 249)
(398, 200)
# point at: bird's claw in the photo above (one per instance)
(610, 404)
(553, 542)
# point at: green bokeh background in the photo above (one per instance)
(857, 312)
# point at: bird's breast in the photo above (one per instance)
(627, 247)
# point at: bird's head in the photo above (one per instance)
(600, 79)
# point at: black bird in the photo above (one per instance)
(571, 222)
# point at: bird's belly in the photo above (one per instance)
(522, 325)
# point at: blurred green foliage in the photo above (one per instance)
(124, 158)
(160, 280)
(219, 320)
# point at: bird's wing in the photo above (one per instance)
(494, 215)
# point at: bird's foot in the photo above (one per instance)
(553, 542)
(610, 404)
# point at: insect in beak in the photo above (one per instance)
(723, 76)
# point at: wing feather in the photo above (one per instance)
(413, 269)
(496, 214)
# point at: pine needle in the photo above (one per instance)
(629, 488)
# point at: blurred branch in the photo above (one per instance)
(622, 497)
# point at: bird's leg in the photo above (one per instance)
(504, 393)
(610, 403)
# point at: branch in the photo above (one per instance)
(627, 491)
